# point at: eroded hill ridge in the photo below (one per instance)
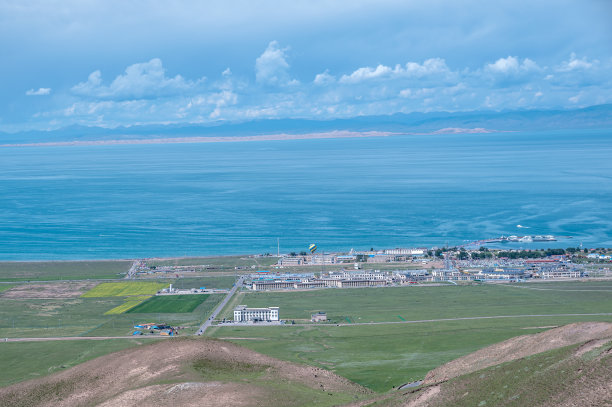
(520, 347)
(185, 372)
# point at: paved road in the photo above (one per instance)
(132, 272)
(217, 310)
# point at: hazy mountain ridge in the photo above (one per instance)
(599, 116)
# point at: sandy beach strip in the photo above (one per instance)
(233, 139)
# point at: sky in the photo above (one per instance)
(120, 63)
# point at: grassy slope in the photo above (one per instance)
(530, 381)
(63, 270)
(27, 360)
(169, 304)
(4, 287)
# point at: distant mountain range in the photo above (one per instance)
(599, 116)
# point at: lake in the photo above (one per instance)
(129, 201)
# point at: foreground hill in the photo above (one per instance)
(566, 366)
(185, 372)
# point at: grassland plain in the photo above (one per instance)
(221, 263)
(388, 354)
(27, 360)
(169, 304)
(63, 270)
(427, 302)
(122, 289)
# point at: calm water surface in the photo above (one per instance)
(130, 201)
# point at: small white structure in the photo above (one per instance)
(244, 314)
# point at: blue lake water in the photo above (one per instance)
(126, 201)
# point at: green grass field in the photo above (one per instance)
(124, 289)
(169, 304)
(63, 270)
(222, 263)
(29, 360)
(393, 351)
(4, 287)
(87, 317)
(129, 303)
(222, 282)
(427, 302)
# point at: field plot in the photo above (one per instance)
(5, 287)
(125, 289)
(70, 289)
(130, 303)
(63, 270)
(170, 304)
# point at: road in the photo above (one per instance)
(132, 272)
(227, 298)
(217, 310)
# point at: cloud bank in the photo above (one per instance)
(146, 93)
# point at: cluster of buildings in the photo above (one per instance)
(512, 270)
(381, 256)
(265, 280)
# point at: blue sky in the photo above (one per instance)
(113, 63)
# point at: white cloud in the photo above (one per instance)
(140, 81)
(324, 78)
(404, 93)
(366, 73)
(576, 64)
(411, 69)
(39, 92)
(512, 65)
(271, 67)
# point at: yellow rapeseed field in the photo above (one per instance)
(124, 289)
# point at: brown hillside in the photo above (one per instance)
(520, 347)
(185, 372)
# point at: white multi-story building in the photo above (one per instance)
(244, 314)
